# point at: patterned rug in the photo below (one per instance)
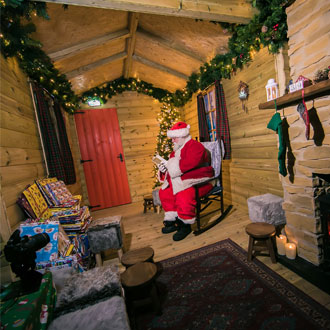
(215, 287)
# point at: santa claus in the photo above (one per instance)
(188, 165)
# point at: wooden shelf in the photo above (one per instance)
(311, 92)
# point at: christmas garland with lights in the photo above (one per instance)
(266, 29)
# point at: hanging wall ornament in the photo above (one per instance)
(243, 93)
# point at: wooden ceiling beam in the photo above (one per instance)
(231, 11)
(159, 67)
(75, 49)
(169, 44)
(92, 66)
(130, 43)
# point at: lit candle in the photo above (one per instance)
(290, 250)
(280, 243)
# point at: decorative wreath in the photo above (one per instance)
(243, 90)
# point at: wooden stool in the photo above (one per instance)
(148, 203)
(261, 238)
(133, 257)
(103, 234)
(139, 284)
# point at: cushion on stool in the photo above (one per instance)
(108, 314)
(266, 208)
(155, 197)
(104, 234)
(87, 288)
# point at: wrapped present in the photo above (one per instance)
(57, 195)
(37, 201)
(81, 244)
(41, 183)
(74, 221)
(58, 192)
(69, 261)
(32, 227)
(29, 311)
(65, 245)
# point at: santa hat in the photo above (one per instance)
(179, 129)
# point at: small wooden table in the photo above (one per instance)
(139, 284)
(133, 257)
(148, 203)
(261, 236)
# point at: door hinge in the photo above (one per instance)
(85, 160)
(93, 206)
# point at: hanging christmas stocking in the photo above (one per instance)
(302, 109)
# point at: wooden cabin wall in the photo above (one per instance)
(253, 168)
(21, 154)
(191, 116)
(137, 115)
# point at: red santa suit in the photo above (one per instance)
(187, 166)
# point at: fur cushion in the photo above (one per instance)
(104, 234)
(87, 288)
(108, 314)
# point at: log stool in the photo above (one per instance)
(140, 289)
(133, 257)
(261, 236)
(148, 203)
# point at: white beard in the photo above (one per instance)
(178, 145)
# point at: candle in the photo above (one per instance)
(290, 250)
(280, 243)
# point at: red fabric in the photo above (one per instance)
(184, 202)
(193, 160)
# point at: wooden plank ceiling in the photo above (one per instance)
(161, 42)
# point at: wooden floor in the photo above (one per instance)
(143, 229)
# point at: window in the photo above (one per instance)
(210, 112)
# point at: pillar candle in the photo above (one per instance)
(280, 243)
(290, 250)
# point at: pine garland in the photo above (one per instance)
(266, 29)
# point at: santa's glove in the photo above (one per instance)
(162, 167)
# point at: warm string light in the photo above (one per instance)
(243, 50)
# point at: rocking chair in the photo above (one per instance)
(216, 150)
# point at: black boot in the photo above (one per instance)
(183, 231)
(169, 227)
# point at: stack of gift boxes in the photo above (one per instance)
(52, 209)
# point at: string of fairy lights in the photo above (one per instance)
(266, 29)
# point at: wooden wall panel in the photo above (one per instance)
(21, 155)
(253, 169)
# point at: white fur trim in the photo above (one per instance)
(165, 184)
(188, 221)
(182, 132)
(178, 184)
(173, 167)
(170, 216)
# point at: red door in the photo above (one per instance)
(103, 158)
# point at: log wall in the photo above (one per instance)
(137, 115)
(21, 155)
(253, 169)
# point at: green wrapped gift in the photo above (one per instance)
(30, 311)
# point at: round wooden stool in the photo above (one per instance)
(139, 284)
(261, 237)
(132, 257)
(148, 203)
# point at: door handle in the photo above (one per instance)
(120, 156)
(85, 160)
